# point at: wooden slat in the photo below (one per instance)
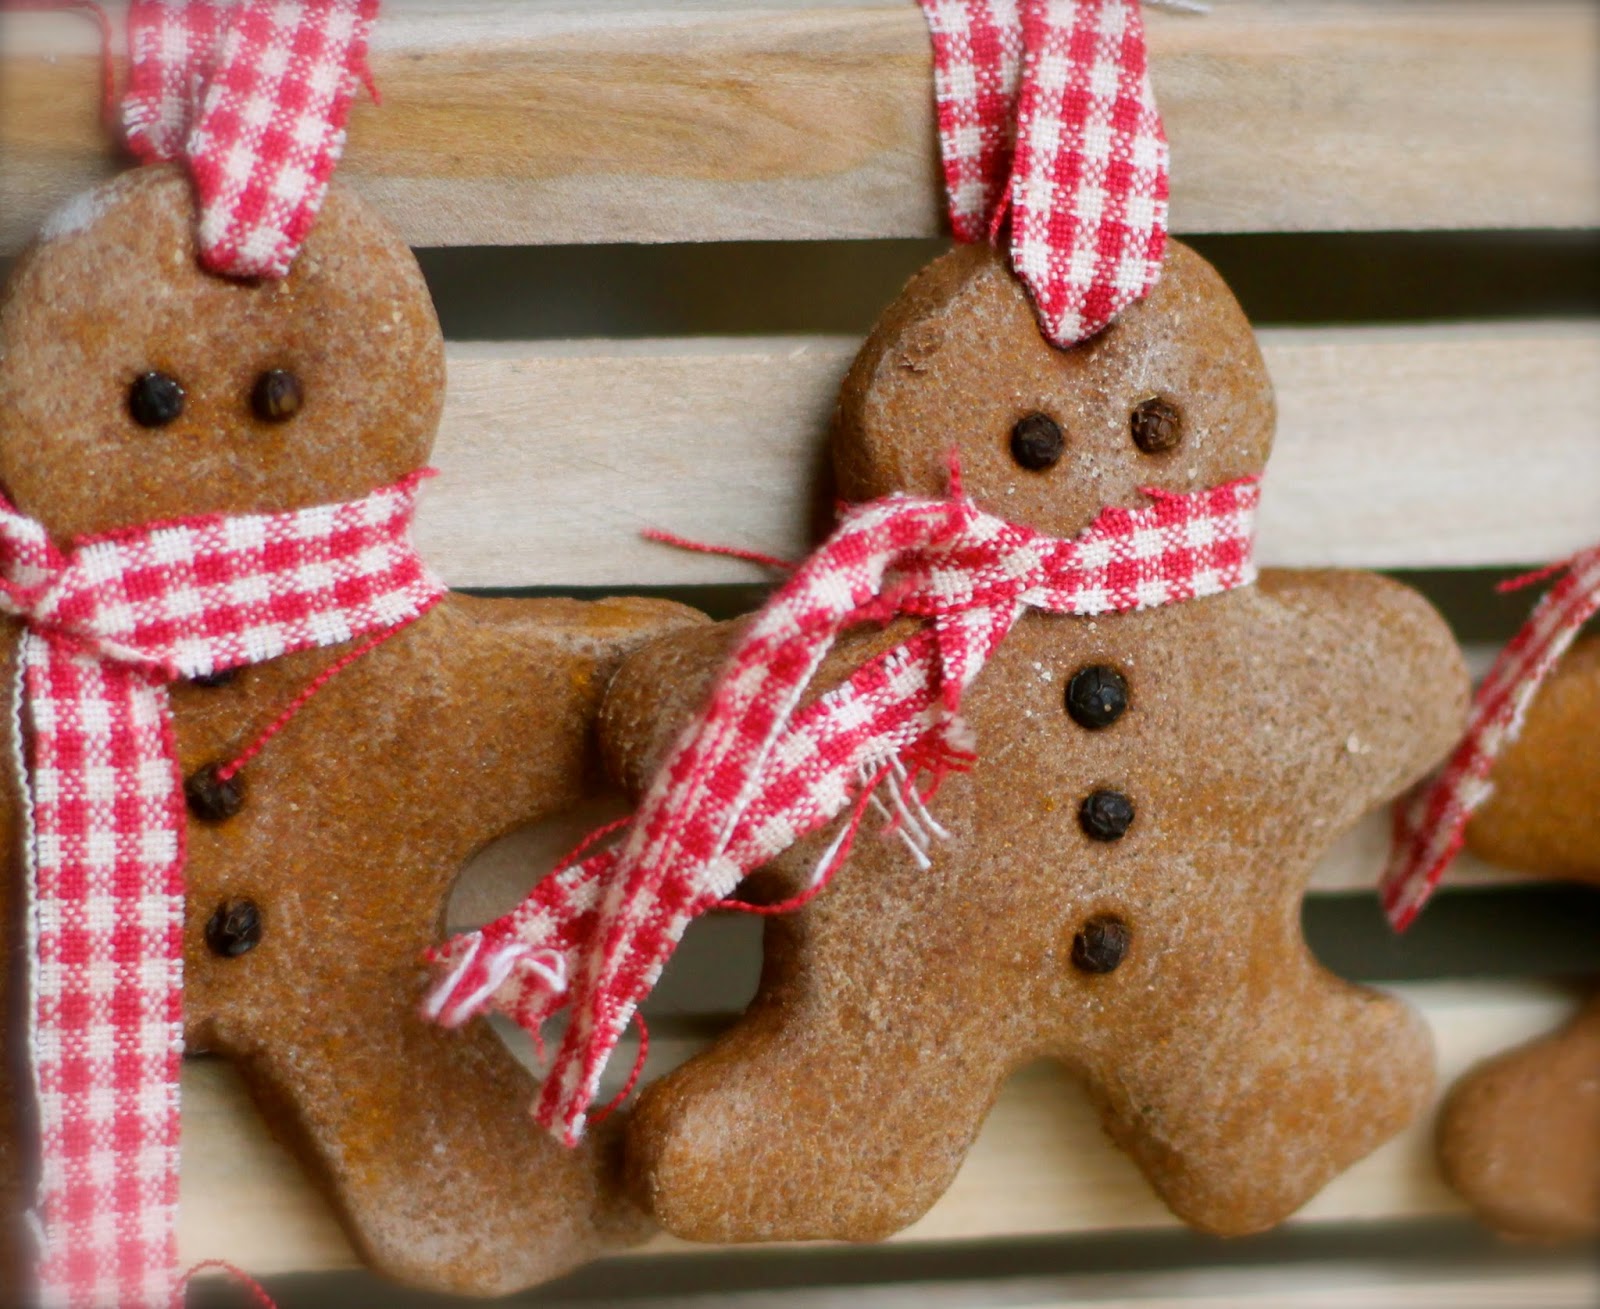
(1399, 447)
(1042, 1165)
(647, 120)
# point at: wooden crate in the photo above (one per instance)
(1403, 445)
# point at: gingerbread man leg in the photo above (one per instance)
(1519, 1137)
(424, 1137)
(1297, 1077)
(832, 1110)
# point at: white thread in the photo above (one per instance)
(32, 1219)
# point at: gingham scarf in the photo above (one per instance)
(253, 96)
(1047, 117)
(1431, 827)
(754, 773)
(107, 625)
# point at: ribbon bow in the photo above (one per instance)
(754, 772)
(1431, 826)
(106, 626)
(1047, 118)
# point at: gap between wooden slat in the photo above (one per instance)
(1042, 1165)
(561, 123)
(1567, 1282)
(1571, 1283)
(1399, 447)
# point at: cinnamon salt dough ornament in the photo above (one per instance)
(1121, 883)
(1519, 1137)
(135, 387)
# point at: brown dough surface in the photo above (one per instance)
(1238, 1073)
(357, 818)
(1520, 1136)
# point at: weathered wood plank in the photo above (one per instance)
(645, 120)
(1456, 445)
(1041, 1166)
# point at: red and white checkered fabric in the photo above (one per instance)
(107, 624)
(753, 773)
(1047, 116)
(1431, 826)
(254, 97)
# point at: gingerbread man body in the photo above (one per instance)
(310, 906)
(1520, 1137)
(1121, 885)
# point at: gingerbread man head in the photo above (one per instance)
(1121, 883)
(1173, 394)
(137, 387)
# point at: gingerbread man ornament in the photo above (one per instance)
(1121, 883)
(134, 387)
(1520, 1137)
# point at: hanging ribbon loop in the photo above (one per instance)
(1052, 143)
(253, 96)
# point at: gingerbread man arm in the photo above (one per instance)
(555, 660)
(1361, 630)
(655, 693)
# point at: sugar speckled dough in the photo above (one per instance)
(474, 721)
(1260, 726)
(1520, 1136)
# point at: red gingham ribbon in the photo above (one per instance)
(752, 775)
(1047, 117)
(1431, 826)
(254, 96)
(107, 624)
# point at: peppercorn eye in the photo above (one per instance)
(1037, 442)
(154, 400)
(277, 396)
(1157, 425)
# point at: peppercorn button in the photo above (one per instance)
(1105, 815)
(1100, 944)
(213, 798)
(234, 929)
(1037, 442)
(1097, 696)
